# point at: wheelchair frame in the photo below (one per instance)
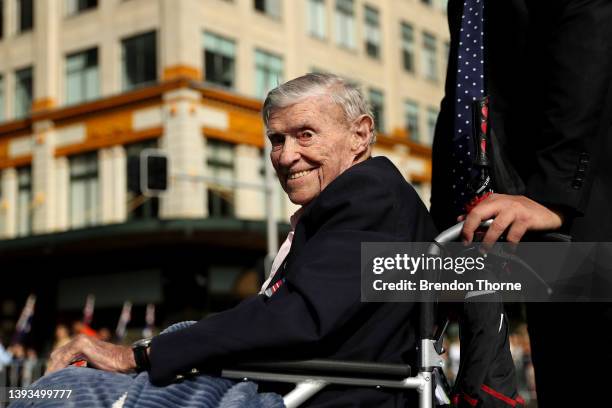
(311, 376)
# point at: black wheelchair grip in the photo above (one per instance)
(329, 367)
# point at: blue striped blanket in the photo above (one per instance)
(92, 388)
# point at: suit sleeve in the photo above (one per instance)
(572, 61)
(320, 295)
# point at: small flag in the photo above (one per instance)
(272, 289)
(150, 320)
(24, 324)
(124, 319)
(88, 310)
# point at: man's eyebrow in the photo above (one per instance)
(293, 129)
(302, 126)
(274, 134)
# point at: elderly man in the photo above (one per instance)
(321, 132)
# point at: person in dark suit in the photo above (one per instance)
(321, 133)
(548, 71)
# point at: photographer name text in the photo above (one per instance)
(425, 285)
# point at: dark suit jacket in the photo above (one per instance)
(317, 312)
(549, 75)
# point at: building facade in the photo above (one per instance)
(85, 84)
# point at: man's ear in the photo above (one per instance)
(362, 131)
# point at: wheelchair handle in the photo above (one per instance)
(454, 233)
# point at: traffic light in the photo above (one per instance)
(157, 173)
(148, 172)
(133, 174)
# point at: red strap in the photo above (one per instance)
(502, 397)
(477, 200)
(472, 401)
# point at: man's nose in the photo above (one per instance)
(290, 152)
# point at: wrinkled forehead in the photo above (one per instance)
(318, 110)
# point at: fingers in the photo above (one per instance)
(56, 362)
(63, 356)
(487, 209)
(516, 232)
(99, 354)
(501, 222)
(516, 214)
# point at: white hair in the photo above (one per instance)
(342, 92)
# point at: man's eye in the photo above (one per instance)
(305, 135)
(277, 140)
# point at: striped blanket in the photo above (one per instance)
(92, 388)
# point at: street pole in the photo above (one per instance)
(271, 219)
(271, 202)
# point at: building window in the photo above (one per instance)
(316, 18)
(23, 92)
(78, 6)
(372, 32)
(411, 119)
(345, 23)
(24, 199)
(219, 60)
(432, 118)
(269, 7)
(82, 76)
(268, 72)
(139, 60)
(429, 57)
(83, 190)
(25, 15)
(1, 98)
(408, 47)
(138, 207)
(220, 158)
(377, 103)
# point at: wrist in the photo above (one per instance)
(140, 355)
(566, 214)
(560, 216)
(130, 361)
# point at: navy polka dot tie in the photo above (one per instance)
(469, 88)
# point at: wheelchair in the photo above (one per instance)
(311, 376)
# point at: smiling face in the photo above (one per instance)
(312, 144)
